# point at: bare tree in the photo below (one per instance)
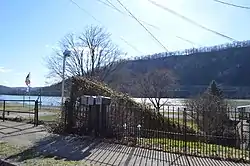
(155, 85)
(92, 55)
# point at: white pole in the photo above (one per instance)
(29, 101)
(23, 98)
(64, 60)
(65, 55)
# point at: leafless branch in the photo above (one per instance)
(92, 55)
(154, 85)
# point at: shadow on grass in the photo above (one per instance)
(68, 149)
(58, 147)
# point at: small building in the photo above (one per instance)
(244, 112)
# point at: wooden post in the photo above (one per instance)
(36, 113)
(65, 114)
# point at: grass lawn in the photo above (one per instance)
(190, 123)
(27, 108)
(7, 150)
(196, 148)
(52, 162)
(48, 118)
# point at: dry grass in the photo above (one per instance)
(195, 148)
(27, 108)
(7, 150)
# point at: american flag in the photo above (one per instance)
(27, 80)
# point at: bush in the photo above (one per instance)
(210, 113)
(122, 110)
(57, 127)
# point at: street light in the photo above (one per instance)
(66, 54)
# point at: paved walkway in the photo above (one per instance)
(95, 151)
(21, 134)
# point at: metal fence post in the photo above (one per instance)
(185, 129)
(185, 135)
(99, 127)
(36, 113)
(3, 110)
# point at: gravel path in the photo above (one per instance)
(21, 133)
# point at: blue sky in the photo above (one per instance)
(29, 29)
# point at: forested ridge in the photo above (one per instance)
(227, 64)
(195, 68)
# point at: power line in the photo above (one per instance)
(142, 25)
(187, 41)
(111, 5)
(131, 45)
(102, 24)
(126, 42)
(190, 21)
(233, 5)
(85, 11)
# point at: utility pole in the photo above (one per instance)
(66, 54)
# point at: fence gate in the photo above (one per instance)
(88, 116)
(22, 110)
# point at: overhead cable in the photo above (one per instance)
(111, 5)
(231, 4)
(191, 21)
(85, 11)
(142, 26)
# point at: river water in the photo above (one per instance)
(46, 100)
(55, 101)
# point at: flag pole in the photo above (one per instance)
(23, 98)
(28, 91)
(27, 81)
(40, 98)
